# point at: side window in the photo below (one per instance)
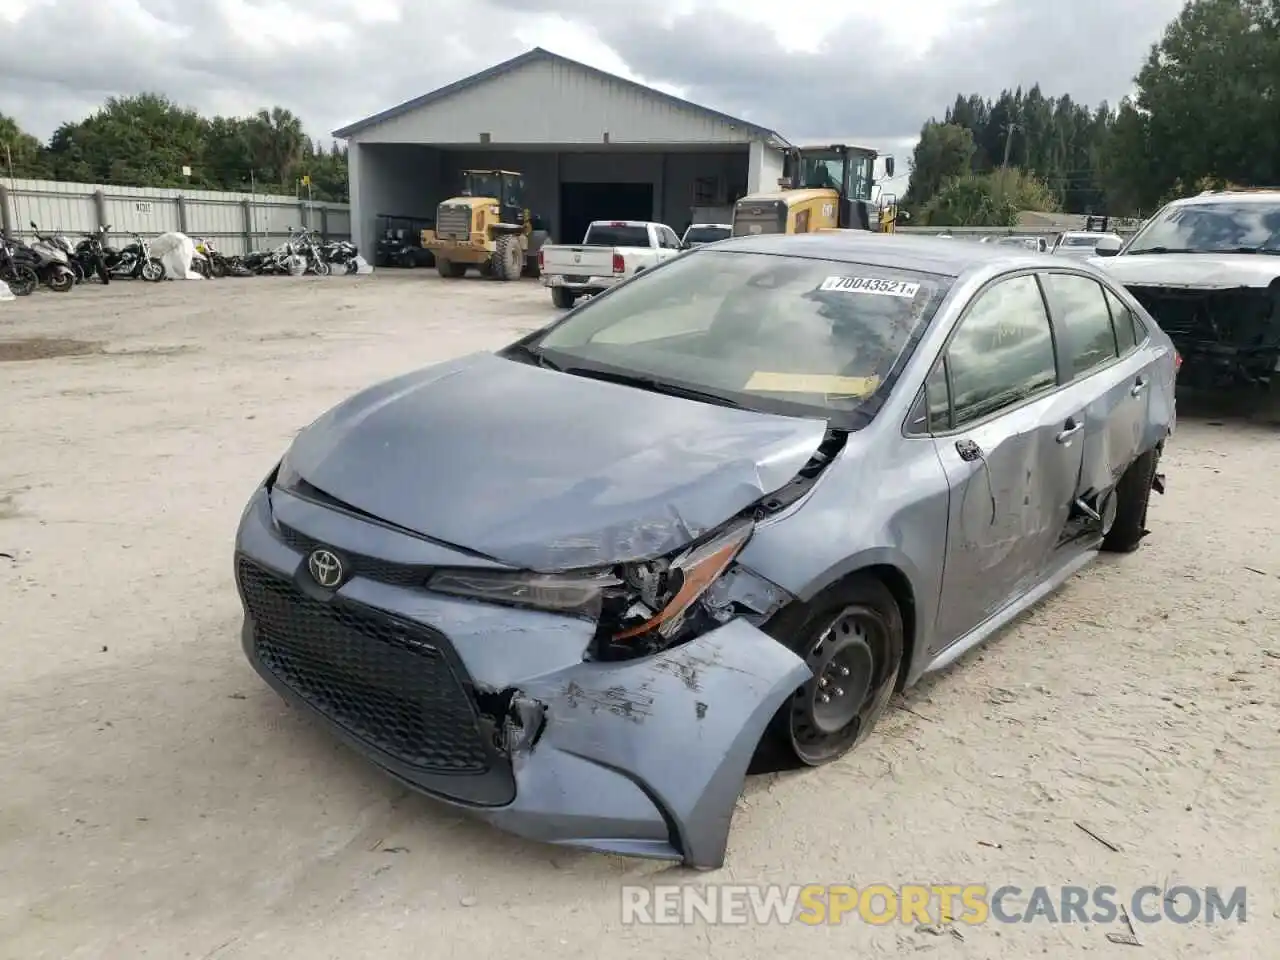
(673, 242)
(937, 398)
(1002, 352)
(1084, 321)
(1123, 320)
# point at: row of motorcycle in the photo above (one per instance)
(56, 262)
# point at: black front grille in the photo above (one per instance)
(386, 681)
(453, 221)
(360, 565)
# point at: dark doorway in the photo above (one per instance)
(580, 203)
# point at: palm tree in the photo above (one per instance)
(277, 140)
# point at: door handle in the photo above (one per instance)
(1070, 430)
(1138, 386)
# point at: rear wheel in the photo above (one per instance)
(508, 258)
(1132, 497)
(562, 298)
(851, 636)
(450, 270)
(217, 267)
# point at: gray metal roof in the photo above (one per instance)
(536, 55)
(938, 255)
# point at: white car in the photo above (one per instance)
(1208, 268)
(699, 233)
(1080, 243)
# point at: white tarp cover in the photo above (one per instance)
(5, 292)
(175, 251)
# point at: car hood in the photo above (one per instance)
(546, 470)
(1198, 271)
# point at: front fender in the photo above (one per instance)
(682, 726)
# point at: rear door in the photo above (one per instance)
(1007, 438)
(1109, 374)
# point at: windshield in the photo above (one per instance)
(822, 172)
(1223, 226)
(706, 234)
(615, 235)
(480, 184)
(782, 334)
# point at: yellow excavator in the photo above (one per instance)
(822, 188)
(487, 226)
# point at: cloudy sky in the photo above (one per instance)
(866, 71)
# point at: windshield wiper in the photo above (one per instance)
(1266, 251)
(524, 350)
(653, 385)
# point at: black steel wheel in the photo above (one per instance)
(852, 639)
(22, 281)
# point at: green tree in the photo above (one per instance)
(277, 142)
(988, 200)
(21, 155)
(945, 151)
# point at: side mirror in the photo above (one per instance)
(888, 167)
(32, 225)
(1107, 247)
(904, 215)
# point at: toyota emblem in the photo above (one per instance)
(326, 568)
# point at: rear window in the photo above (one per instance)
(706, 234)
(785, 334)
(610, 236)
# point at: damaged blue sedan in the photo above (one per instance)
(730, 506)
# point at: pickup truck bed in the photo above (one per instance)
(611, 251)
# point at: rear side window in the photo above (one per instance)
(1129, 329)
(1084, 321)
(608, 235)
(1002, 353)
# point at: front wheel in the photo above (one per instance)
(450, 270)
(153, 270)
(852, 637)
(22, 281)
(60, 281)
(562, 297)
(321, 268)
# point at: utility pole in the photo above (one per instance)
(1008, 145)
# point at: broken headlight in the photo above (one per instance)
(577, 593)
(633, 602)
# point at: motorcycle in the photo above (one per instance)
(67, 247)
(134, 260)
(219, 265)
(305, 243)
(53, 266)
(17, 269)
(90, 258)
(341, 255)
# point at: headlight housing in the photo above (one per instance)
(638, 606)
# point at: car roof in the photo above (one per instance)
(923, 254)
(1230, 196)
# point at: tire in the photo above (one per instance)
(1133, 496)
(852, 637)
(321, 268)
(77, 271)
(508, 258)
(60, 281)
(450, 270)
(350, 267)
(22, 281)
(201, 267)
(152, 270)
(562, 298)
(217, 268)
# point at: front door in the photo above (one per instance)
(1012, 453)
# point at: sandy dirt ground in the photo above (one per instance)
(156, 799)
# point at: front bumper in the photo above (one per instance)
(494, 710)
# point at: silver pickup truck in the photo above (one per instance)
(611, 251)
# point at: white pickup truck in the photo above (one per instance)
(612, 251)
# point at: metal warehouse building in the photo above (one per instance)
(591, 146)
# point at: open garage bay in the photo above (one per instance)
(159, 800)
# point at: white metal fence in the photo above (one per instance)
(235, 222)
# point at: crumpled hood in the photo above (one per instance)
(546, 470)
(1202, 271)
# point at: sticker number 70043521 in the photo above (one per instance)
(871, 285)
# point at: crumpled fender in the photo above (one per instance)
(682, 725)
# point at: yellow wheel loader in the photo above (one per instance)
(487, 226)
(822, 188)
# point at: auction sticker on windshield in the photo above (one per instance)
(872, 285)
